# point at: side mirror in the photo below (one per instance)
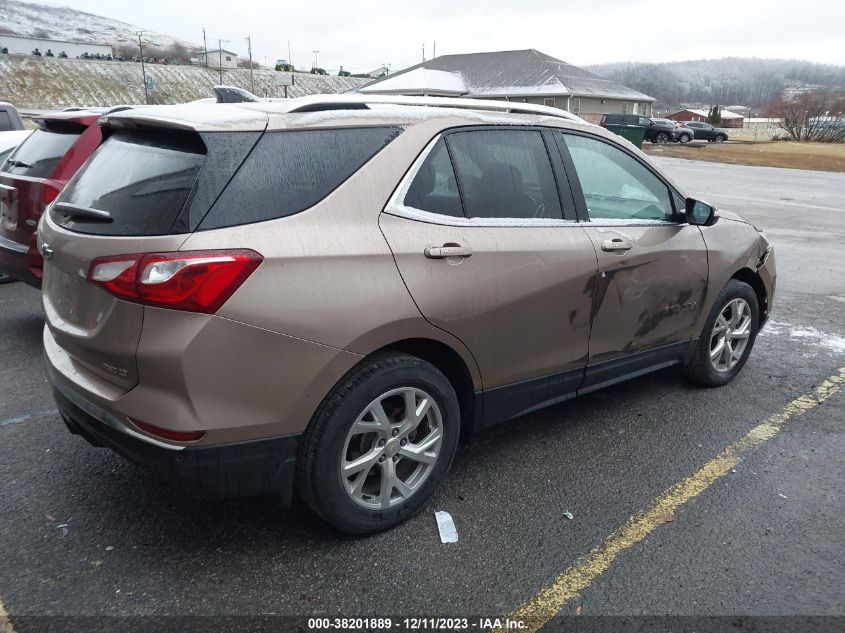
(700, 213)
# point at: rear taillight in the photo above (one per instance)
(48, 194)
(196, 281)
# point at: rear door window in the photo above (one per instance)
(505, 174)
(141, 181)
(435, 187)
(39, 154)
(290, 171)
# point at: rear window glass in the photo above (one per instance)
(142, 181)
(288, 172)
(39, 154)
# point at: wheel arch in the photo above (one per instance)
(451, 364)
(748, 276)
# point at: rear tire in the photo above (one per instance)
(362, 467)
(727, 338)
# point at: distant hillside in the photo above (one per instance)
(728, 81)
(63, 23)
(45, 83)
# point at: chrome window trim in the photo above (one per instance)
(396, 206)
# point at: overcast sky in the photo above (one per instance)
(363, 35)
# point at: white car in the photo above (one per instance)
(9, 140)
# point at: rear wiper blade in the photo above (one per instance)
(79, 211)
(14, 162)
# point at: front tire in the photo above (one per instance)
(727, 338)
(720, 139)
(685, 138)
(380, 444)
(661, 137)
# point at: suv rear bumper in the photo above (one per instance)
(15, 261)
(257, 467)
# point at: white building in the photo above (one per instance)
(25, 45)
(218, 58)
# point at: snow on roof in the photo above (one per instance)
(420, 81)
(725, 114)
(523, 73)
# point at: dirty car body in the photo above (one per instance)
(328, 300)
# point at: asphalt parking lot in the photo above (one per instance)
(758, 534)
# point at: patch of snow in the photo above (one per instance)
(807, 335)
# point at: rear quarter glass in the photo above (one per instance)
(39, 154)
(290, 171)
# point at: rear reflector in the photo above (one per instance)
(195, 281)
(167, 434)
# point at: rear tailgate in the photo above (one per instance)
(149, 183)
(95, 328)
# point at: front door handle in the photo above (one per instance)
(442, 252)
(616, 244)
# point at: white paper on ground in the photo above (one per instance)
(446, 526)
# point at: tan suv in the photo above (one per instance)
(327, 294)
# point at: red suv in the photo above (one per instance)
(33, 176)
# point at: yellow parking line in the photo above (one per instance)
(549, 601)
(5, 622)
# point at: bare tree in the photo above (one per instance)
(818, 115)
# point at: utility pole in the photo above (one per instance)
(220, 59)
(290, 61)
(205, 47)
(434, 52)
(251, 78)
(143, 68)
(423, 51)
(315, 57)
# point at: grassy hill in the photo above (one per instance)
(48, 83)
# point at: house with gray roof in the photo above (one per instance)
(527, 76)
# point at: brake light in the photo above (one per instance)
(195, 281)
(167, 434)
(48, 194)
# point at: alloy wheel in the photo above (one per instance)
(391, 448)
(730, 334)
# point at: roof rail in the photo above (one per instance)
(316, 103)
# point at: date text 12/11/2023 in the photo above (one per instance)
(416, 624)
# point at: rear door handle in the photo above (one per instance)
(616, 244)
(442, 252)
